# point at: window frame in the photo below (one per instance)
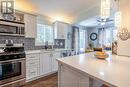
(42, 44)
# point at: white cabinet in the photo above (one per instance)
(48, 63)
(54, 61)
(41, 64)
(61, 30)
(32, 66)
(30, 25)
(71, 78)
(45, 63)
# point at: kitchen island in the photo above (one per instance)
(86, 70)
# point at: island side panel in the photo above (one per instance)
(67, 77)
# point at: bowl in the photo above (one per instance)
(101, 55)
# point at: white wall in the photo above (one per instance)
(124, 46)
(44, 20)
(92, 30)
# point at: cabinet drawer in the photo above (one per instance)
(32, 72)
(33, 63)
(32, 56)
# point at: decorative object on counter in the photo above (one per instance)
(124, 34)
(114, 47)
(46, 45)
(93, 36)
(101, 55)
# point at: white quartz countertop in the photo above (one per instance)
(114, 70)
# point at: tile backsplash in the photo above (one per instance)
(15, 39)
(29, 43)
(59, 43)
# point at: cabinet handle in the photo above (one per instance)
(33, 72)
(32, 57)
(32, 63)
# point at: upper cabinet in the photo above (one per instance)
(30, 25)
(61, 30)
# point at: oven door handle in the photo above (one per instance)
(13, 61)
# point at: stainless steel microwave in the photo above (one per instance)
(12, 28)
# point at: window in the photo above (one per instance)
(107, 39)
(82, 40)
(114, 34)
(107, 36)
(44, 34)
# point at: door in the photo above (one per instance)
(45, 63)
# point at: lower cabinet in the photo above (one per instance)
(45, 63)
(48, 63)
(41, 64)
(32, 66)
(54, 61)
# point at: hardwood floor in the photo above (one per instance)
(49, 81)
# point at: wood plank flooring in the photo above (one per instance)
(49, 81)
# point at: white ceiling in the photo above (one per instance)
(68, 9)
(92, 22)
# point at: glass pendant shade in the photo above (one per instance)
(105, 9)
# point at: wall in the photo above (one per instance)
(124, 46)
(41, 19)
(92, 30)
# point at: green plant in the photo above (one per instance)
(90, 45)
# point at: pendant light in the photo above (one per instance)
(105, 9)
(118, 16)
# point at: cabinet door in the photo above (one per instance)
(45, 63)
(60, 30)
(32, 73)
(32, 66)
(54, 61)
(30, 25)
